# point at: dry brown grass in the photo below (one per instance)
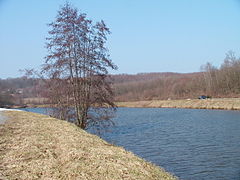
(34, 146)
(221, 103)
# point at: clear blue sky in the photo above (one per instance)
(147, 35)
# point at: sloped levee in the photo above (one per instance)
(217, 103)
(34, 146)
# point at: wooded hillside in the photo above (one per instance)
(211, 81)
(150, 86)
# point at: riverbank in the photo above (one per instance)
(34, 146)
(216, 103)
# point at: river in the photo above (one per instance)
(190, 143)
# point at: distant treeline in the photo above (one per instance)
(158, 86)
(211, 81)
(14, 90)
(223, 81)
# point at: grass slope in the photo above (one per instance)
(221, 103)
(34, 146)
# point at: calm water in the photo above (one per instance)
(191, 144)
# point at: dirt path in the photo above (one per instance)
(2, 118)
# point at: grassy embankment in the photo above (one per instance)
(34, 146)
(221, 103)
(215, 103)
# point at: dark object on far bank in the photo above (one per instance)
(204, 97)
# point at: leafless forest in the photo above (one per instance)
(212, 81)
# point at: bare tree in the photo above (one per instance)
(230, 73)
(210, 77)
(76, 69)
